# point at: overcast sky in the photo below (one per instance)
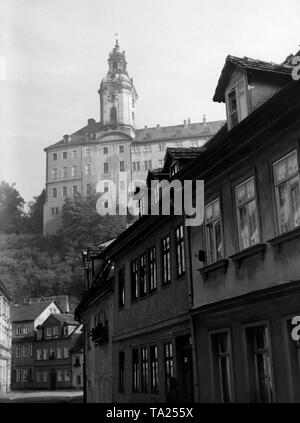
(56, 53)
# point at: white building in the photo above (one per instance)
(5, 339)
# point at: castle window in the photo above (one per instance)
(105, 167)
(121, 148)
(54, 173)
(65, 155)
(122, 166)
(54, 192)
(88, 169)
(74, 171)
(88, 152)
(75, 189)
(54, 156)
(65, 191)
(105, 150)
(64, 172)
(113, 115)
(74, 154)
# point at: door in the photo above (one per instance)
(184, 366)
(53, 379)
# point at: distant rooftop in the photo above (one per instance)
(26, 312)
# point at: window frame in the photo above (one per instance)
(214, 220)
(230, 89)
(152, 260)
(180, 242)
(166, 252)
(134, 284)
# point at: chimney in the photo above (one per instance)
(91, 122)
(66, 138)
(189, 121)
(204, 120)
(184, 123)
(146, 126)
(157, 126)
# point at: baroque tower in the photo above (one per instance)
(118, 95)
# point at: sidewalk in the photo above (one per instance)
(17, 395)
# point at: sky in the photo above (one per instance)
(53, 55)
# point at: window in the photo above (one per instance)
(147, 148)
(51, 353)
(105, 167)
(55, 332)
(121, 149)
(113, 115)
(54, 173)
(45, 354)
(66, 352)
(19, 375)
(287, 187)
(152, 269)
(136, 166)
(134, 280)
(153, 369)
(88, 152)
(88, 188)
(213, 232)
(74, 171)
(19, 351)
(237, 108)
(74, 154)
(87, 168)
(58, 352)
(65, 191)
(22, 329)
(143, 275)
(54, 192)
(105, 150)
(27, 350)
(122, 185)
(39, 335)
(54, 156)
(169, 363)
(49, 333)
(174, 168)
(144, 373)
(45, 376)
(259, 364)
(65, 155)
(38, 376)
(59, 376)
(121, 370)
(74, 189)
(148, 164)
(135, 370)
(55, 210)
(221, 361)
(166, 270)
(247, 218)
(179, 244)
(67, 375)
(122, 166)
(77, 361)
(121, 288)
(66, 330)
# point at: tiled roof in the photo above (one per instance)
(66, 318)
(162, 133)
(22, 312)
(62, 301)
(184, 153)
(82, 136)
(248, 64)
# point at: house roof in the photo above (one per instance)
(25, 312)
(62, 301)
(181, 154)
(250, 65)
(65, 319)
(5, 291)
(191, 130)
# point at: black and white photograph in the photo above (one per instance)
(149, 204)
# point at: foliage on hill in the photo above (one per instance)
(35, 265)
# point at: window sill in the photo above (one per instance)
(220, 264)
(257, 249)
(285, 237)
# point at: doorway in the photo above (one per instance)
(184, 366)
(52, 379)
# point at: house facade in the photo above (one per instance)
(77, 360)
(112, 151)
(25, 319)
(52, 357)
(247, 284)
(5, 339)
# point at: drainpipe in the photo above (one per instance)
(189, 274)
(84, 365)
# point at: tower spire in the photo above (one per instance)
(116, 39)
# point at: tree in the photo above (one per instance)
(11, 209)
(35, 215)
(82, 225)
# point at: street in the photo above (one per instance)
(43, 397)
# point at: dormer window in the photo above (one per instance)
(236, 102)
(174, 168)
